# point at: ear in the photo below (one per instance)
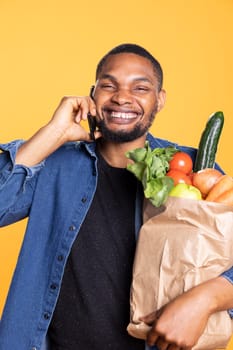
(92, 91)
(161, 99)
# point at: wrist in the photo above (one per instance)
(41, 145)
(57, 132)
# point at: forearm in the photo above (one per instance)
(40, 146)
(218, 293)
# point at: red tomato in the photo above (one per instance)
(181, 161)
(179, 177)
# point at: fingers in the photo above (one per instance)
(77, 106)
(81, 107)
(69, 114)
(156, 336)
(163, 344)
(153, 337)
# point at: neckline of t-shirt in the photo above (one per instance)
(106, 165)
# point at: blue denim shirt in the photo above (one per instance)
(55, 196)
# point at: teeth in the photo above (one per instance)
(123, 115)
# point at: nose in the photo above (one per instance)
(122, 96)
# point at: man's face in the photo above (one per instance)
(127, 97)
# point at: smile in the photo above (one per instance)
(123, 115)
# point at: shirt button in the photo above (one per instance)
(53, 286)
(72, 228)
(34, 348)
(46, 316)
(84, 199)
(60, 257)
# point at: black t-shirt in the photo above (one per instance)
(92, 312)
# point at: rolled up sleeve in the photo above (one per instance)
(7, 162)
(16, 184)
(229, 276)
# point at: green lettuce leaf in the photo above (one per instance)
(150, 167)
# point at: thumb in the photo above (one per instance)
(149, 319)
(97, 134)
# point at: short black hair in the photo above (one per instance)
(137, 50)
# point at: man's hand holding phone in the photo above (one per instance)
(64, 126)
(69, 115)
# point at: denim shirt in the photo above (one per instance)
(55, 195)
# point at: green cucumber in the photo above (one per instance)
(208, 143)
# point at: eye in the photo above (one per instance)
(107, 86)
(141, 88)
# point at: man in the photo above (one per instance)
(72, 280)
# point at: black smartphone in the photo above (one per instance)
(92, 125)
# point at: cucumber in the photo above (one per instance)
(208, 143)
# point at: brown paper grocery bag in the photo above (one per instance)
(180, 245)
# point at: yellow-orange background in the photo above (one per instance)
(49, 48)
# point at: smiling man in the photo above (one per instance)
(72, 283)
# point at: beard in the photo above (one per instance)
(121, 136)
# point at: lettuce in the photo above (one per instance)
(150, 167)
